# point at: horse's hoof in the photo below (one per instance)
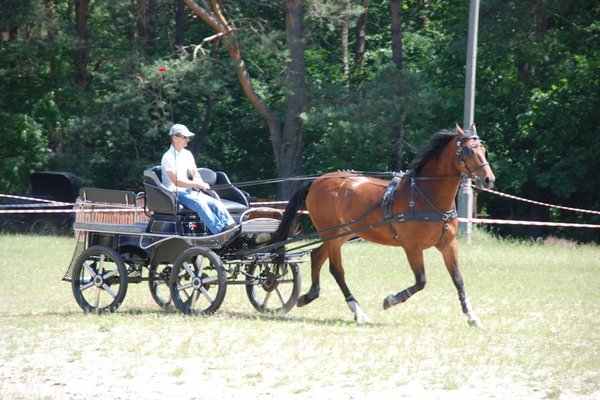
(388, 302)
(362, 320)
(301, 301)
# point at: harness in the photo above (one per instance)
(467, 151)
(412, 215)
(386, 202)
(462, 151)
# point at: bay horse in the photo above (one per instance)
(415, 211)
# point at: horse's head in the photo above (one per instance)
(472, 157)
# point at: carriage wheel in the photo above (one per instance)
(42, 227)
(158, 281)
(198, 282)
(99, 280)
(13, 226)
(273, 288)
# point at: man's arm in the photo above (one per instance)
(196, 181)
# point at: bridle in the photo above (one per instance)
(465, 151)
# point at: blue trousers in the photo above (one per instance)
(211, 211)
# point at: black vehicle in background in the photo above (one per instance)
(55, 191)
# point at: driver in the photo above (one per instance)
(180, 175)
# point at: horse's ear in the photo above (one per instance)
(473, 127)
(459, 130)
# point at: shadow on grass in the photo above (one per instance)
(249, 316)
(171, 311)
(286, 319)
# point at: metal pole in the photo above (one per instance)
(465, 207)
(465, 194)
(469, 107)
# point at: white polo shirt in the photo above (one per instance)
(178, 161)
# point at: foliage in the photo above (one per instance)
(536, 104)
(24, 150)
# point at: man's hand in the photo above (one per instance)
(200, 184)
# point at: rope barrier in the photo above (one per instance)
(52, 211)
(510, 196)
(11, 208)
(527, 223)
(54, 202)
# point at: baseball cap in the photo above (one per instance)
(179, 129)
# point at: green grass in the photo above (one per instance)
(540, 306)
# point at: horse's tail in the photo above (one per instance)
(296, 202)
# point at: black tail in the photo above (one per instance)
(296, 203)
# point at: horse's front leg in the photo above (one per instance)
(450, 254)
(415, 259)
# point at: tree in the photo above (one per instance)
(145, 25)
(287, 139)
(96, 97)
(361, 28)
(82, 14)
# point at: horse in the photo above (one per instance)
(415, 211)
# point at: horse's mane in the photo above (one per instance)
(431, 150)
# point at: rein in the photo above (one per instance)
(386, 203)
(302, 178)
(463, 151)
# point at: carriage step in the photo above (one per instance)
(138, 227)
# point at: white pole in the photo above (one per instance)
(469, 107)
(465, 194)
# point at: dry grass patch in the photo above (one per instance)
(538, 302)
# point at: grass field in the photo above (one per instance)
(539, 303)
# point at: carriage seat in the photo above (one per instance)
(161, 200)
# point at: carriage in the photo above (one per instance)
(44, 210)
(415, 210)
(168, 246)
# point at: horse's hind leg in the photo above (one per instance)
(317, 259)
(415, 259)
(337, 270)
(450, 254)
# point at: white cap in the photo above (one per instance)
(179, 129)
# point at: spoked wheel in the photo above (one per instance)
(99, 280)
(13, 226)
(273, 288)
(42, 227)
(198, 282)
(158, 281)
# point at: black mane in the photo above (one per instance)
(431, 150)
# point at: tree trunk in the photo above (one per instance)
(361, 34)
(287, 144)
(82, 13)
(145, 33)
(180, 23)
(345, 22)
(398, 59)
(53, 59)
(396, 23)
(424, 19)
(292, 145)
